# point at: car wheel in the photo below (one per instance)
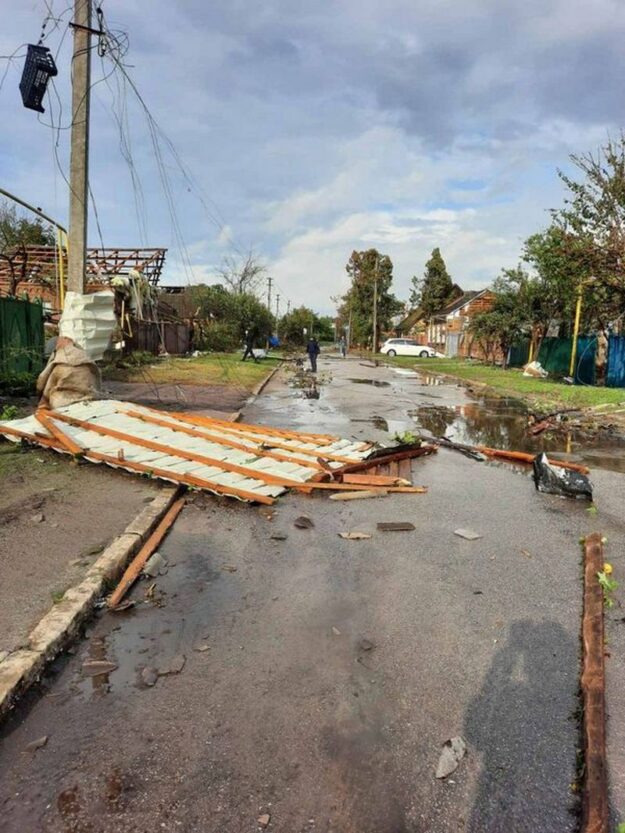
(424, 354)
(391, 353)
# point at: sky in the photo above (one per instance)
(309, 129)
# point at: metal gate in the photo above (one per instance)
(21, 336)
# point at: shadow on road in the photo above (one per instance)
(521, 728)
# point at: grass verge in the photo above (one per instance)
(543, 393)
(213, 369)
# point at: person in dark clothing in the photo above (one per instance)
(313, 350)
(249, 346)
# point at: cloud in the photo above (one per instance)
(312, 129)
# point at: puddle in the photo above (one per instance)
(376, 383)
(502, 423)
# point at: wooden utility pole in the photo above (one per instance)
(269, 282)
(79, 157)
(375, 306)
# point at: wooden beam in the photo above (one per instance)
(139, 561)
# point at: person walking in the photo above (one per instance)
(249, 346)
(313, 350)
(343, 346)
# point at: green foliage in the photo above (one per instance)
(406, 438)
(357, 303)
(324, 329)
(18, 384)
(434, 289)
(217, 337)
(609, 585)
(232, 313)
(8, 413)
(292, 326)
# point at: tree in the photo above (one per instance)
(496, 329)
(593, 224)
(357, 304)
(16, 233)
(228, 315)
(243, 273)
(433, 290)
(292, 326)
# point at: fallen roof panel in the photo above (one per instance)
(247, 462)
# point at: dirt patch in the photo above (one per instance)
(56, 516)
(223, 399)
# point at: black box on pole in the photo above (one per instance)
(39, 67)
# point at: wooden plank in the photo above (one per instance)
(369, 493)
(375, 480)
(37, 439)
(378, 462)
(595, 814)
(523, 457)
(250, 449)
(43, 417)
(356, 487)
(139, 561)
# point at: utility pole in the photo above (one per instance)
(79, 157)
(375, 306)
(288, 307)
(269, 282)
(277, 306)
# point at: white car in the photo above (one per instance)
(407, 347)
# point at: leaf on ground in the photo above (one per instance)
(303, 522)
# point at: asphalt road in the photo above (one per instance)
(322, 676)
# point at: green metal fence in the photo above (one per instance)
(21, 337)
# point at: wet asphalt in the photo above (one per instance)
(322, 676)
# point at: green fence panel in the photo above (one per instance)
(615, 377)
(21, 337)
(519, 353)
(555, 356)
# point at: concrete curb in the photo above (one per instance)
(20, 669)
(264, 382)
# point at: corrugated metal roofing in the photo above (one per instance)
(249, 462)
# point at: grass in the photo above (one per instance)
(545, 394)
(213, 369)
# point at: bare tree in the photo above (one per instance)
(243, 273)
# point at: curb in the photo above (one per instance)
(595, 818)
(22, 668)
(264, 382)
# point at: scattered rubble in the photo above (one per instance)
(173, 666)
(396, 526)
(354, 536)
(149, 676)
(95, 667)
(264, 820)
(468, 534)
(155, 565)
(303, 522)
(34, 745)
(453, 752)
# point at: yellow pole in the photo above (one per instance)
(59, 237)
(578, 315)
